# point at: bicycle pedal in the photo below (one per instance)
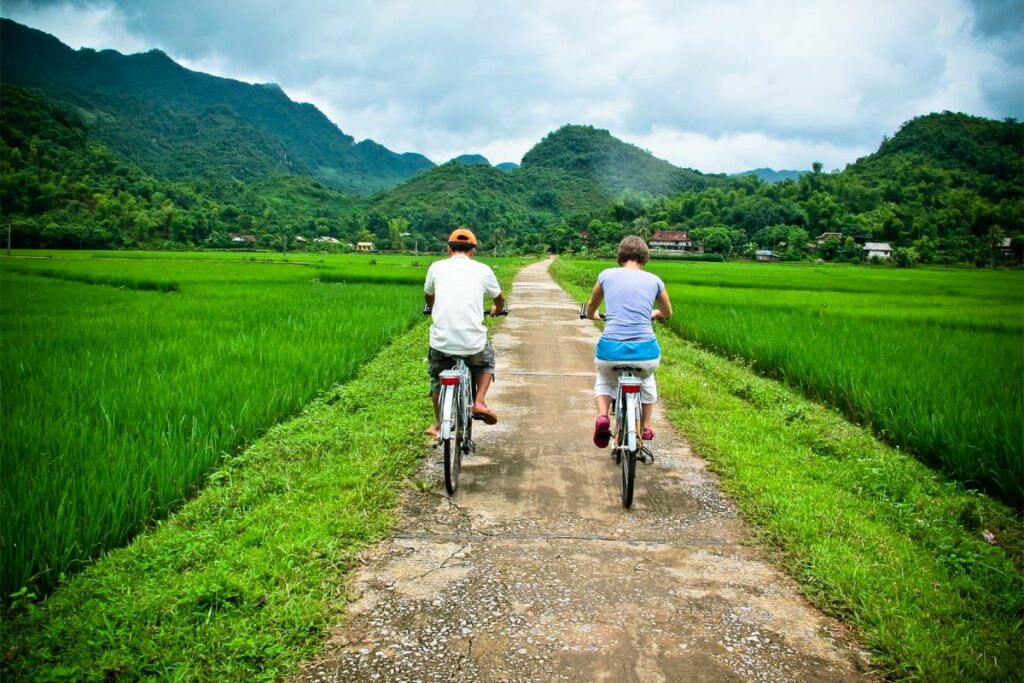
(646, 456)
(469, 447)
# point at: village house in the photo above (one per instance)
(1005, 247)
(825, 235)
(674, 240)
(242, 238)
(880, 250)
(365, 246)
(766, 255)
(327, 239)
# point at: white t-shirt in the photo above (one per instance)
(459, 284)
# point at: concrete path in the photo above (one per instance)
(535, 572)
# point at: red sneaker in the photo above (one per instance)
(648, 434)
(602, 431)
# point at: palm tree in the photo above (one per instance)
(642, 228)
(498, 237)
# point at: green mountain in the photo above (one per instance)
(60, 187)
(978, 151)
(506, 166)
(472, 159)
(175, 123)
(946, 188)
(572, 173)
(612, 165)
(769, 175)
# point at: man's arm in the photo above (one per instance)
(499, 304)
(428, 287)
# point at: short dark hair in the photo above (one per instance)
(461, 246)
(633, 248)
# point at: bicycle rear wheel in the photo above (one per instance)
(629, 451)
(628, 463)
(453, 450)
(452, 462)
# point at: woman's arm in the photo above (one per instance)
(664, 306)
(596, 297)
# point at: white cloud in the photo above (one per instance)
(702, 83)
(99, 26)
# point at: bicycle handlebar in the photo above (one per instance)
(504, 311)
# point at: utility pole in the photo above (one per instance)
(9, 227)
(285, 245)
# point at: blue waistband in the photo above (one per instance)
(609, 349)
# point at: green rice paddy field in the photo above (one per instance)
(931, 359)
(127, 376)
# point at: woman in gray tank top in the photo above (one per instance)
(633, 299)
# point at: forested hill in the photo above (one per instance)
(946, 188)
(571, 175)
(980, 152)
(176, 124)
(472, 159)
(59, 188)
(613, 165)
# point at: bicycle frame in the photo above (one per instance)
(455, 404)
(453, 401)
(629, 444)
(628, 411)
(455, 414)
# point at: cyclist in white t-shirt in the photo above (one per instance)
(454, 291)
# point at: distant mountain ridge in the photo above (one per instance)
(177, 123)
(770, 175)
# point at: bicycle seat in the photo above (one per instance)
(631, 368)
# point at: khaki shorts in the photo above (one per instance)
(607, 383)
(477, 363)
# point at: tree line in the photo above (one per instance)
(947, 188)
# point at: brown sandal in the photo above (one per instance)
(486, 414)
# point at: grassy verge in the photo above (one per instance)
(874, 537)
(243, 581)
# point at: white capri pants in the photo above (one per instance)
(607, 383)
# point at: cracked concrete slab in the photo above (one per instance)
(533, 571)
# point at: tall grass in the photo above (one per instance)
(115, 401)
(931, 360)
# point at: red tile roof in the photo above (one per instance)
(670, 236)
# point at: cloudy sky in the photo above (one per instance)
(717, 85)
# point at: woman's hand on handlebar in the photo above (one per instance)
(583, 313)
(494, 310)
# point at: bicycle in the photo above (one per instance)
(628, 444)
(455, 406)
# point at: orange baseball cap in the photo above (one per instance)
(462, 235)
